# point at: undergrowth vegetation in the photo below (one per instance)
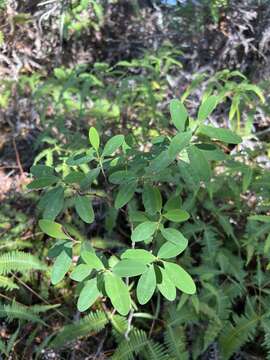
(136, 224)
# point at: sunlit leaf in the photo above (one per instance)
(179, 114)
(52, 229)
(94, 138)
(88, 295)
(144, 231)
(118, 293)
(146, 285)
(129, 267)
(180, 278)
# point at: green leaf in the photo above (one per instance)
(166, 287)
(262, 218)
(211, 152)
(113, 144)
(179, 114)
(174, 202)
(53, 229)
(146, 285)
(176, 215)
(180, 278)
(221, 134)
(129, 267)
(152, 200)
(92, 260)
(174, 236)
(42, 182)
(81, 158)
(122, 177)
(61, 265)
(84, 209)
(88, 295)
(207, 107)
(125, 194)
(52, 203)
(199, 163)
(118, 293)
(89, 178)
(179, 142)
(161, 162)
(141, 255)
(169, 250)
(137, 216)
(144, 231)
(80, 272)
(94, 138)
(256, 89)
(74, 177)
(41, 171)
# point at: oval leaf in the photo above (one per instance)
(144, 231)
(91, 259)
(52, 203)
(166, 287)
(61, 265)
(177, 215)
(52, 229)
(94, 138)
(80, 272)
(207, 107)
(84, 209)
(41, 170)
(152, 200)
(118, 293)
(180, 278)
(146, 285)
(88, 295)
(179, 142)
(122, 177)
(42, 182)
(74, 177)
(179, 114)
(141, 255)
(129, 267)
(125, 194)
(113, 144)
(221, 134)
(174, 236)
(169, 249)
(199, 163)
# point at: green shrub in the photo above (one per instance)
(125, 171)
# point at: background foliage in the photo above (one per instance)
(116, 65)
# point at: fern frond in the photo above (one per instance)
(119, 323)
(12, 340)
(176, 342)
(134, 345)
(120, 326)
(3, 350)
(210, 243)
(7, 283)
(235, 336)
(36, 309)
(95, 321)
(19, 261)
(139, 344)
(213, 329)
(265, 324)
(156, 351)
(210, 312)
(19, 312)
(266, 344)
